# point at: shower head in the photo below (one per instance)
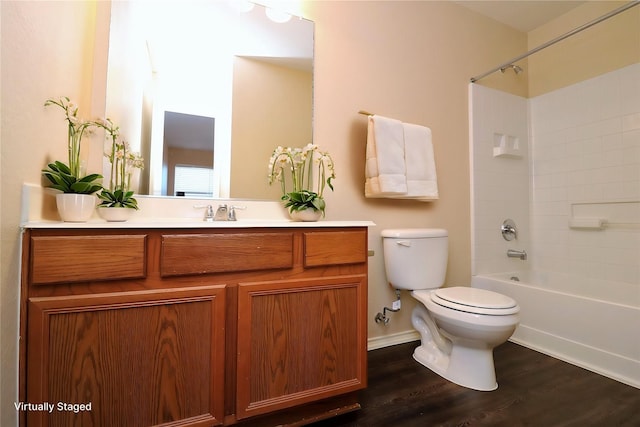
(516, 68)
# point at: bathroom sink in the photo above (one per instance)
(178, 213)
(240, 223)
(199, 223)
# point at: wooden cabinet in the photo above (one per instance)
(298, 341)
(192, 327)
(138, 358)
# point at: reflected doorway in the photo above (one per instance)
(188, 153)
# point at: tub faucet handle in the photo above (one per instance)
(508, 230)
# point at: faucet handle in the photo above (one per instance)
(508, 230)
(208, 214)
(232, 212)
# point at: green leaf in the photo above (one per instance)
(131, 203)
(118, 198)
(329, 183)
(61, 178)
(300, 200)
(91, 178)
(319, 204)
(60, 167)
(82, 187)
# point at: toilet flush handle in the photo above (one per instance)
(406, 243)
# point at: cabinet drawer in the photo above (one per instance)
(334, 247)
(68, 259)
(184, 254)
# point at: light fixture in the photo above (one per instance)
(278, 16)
(242, 6)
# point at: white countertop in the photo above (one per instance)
(190, 223)
(172, 212)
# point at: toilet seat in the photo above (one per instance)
(473, 300)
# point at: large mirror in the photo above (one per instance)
(205, 91)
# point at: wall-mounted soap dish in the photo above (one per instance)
(506, 146)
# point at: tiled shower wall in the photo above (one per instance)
(586, 164)
(500, 183)
(583, 161)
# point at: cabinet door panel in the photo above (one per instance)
(299, 341)
(140, 358)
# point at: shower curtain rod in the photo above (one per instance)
(557, 39)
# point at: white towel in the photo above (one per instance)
(400, 161)
(422, 183)
(385, 162)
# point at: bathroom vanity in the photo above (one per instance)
(193, 324)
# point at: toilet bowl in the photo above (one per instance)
(468, 360)
(459, 326)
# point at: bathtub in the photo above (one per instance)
(598, 330)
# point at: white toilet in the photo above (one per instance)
(459, 326)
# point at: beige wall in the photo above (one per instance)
(409, 60)
(607, 46)
(273, 110)
(47, 51)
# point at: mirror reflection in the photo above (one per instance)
(205, 91)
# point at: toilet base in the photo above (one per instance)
(466, 366)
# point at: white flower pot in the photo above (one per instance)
(115, 214)
(76, 207)
(306, 215)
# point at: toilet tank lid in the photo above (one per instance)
(414, 233)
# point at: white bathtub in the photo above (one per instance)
(599, 332)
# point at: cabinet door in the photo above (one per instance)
(132, 359)
(299, 341)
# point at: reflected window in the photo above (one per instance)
(193, 181)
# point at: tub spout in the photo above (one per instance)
(512, 253)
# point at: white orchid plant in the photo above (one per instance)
(123, 161)
(68, 177)
(296, 168)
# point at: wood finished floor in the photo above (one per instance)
(533, 390)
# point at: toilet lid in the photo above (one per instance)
(473, 300)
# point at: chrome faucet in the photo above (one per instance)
(512, 253)
(209, 216)
(221, 213)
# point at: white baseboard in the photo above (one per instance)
(610, 365)
(613, 366)
(392, 339)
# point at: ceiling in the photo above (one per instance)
(523, 15)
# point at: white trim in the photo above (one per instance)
(393, 339)
(611, 365)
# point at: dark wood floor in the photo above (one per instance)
(533, 390)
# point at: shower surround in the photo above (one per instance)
(576, 157)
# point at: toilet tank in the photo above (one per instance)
(415, 258)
